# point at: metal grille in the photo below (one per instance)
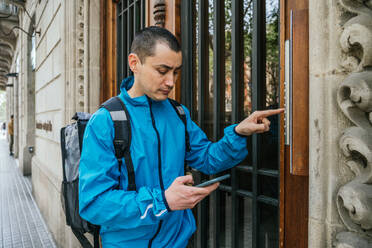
(130, 19)
(230, 69)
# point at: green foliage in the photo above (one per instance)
(272, 42)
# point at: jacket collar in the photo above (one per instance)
(126, 84)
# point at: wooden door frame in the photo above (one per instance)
(173, 24)
(108, 39)
(108, 51)
(294, 189)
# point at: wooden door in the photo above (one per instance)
(120, 20)
(294, 186)
(166, 13)
(294, 183)
(108, 51)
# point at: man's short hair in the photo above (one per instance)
(146, 39)
(11, 117)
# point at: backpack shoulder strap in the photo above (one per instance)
(122, 139)
(82, 239)
(181, 113)
(63, 151)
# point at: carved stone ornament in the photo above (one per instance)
(351, 240)
(358, 6)
(159, 12)
(356, 42)
(354, 201)
(356, 145)
(354, 97)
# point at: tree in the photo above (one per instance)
(272, 49)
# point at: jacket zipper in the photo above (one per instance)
(159, 167)
(156, 234)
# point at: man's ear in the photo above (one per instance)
(133, 62)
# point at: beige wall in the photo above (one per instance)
(66, 81)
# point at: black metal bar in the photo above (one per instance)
(188, 62)
(218, 67)
(203, 68)
(218, 102)
(127, 8)
(259, 55)
(244, 168)
(237, 103)
(258, 102)
(187, 37)
(237, 61)
(136, 18)
(225, 188)
(124, 53)
(244, 193)
(240, 222)
(129, 33)
(119, 47)
(268, 200)
(264, 172)
(202, 223)
(267, 172)
(203, 83)
(143, 14)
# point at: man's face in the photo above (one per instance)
(157, 74)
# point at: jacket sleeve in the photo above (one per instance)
(100, 200)
(213, 157)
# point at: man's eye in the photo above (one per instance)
(162, 72)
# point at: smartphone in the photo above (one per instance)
(214, 180)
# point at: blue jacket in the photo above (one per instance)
(133, 219)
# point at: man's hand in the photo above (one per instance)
(180, 196)
(257, 122)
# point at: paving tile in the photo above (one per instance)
(21, 224)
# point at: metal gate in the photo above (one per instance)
(130, 19)
(230, 69)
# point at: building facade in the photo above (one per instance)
(313, 190)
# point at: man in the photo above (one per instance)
(11, 135)
(3, 126)
(157, 214)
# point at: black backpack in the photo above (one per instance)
(71, 146)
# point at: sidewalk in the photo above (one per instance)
(21, 224)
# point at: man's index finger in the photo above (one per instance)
(269, 112)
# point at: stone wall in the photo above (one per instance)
(65, 80)
(26, 90)
(340, 123)
(49, 108)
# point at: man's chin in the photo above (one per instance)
(159, 97)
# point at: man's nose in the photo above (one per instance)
(170, 81)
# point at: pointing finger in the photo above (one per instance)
(269, 112)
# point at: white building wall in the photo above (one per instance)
(67, 49)
(49, 108)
